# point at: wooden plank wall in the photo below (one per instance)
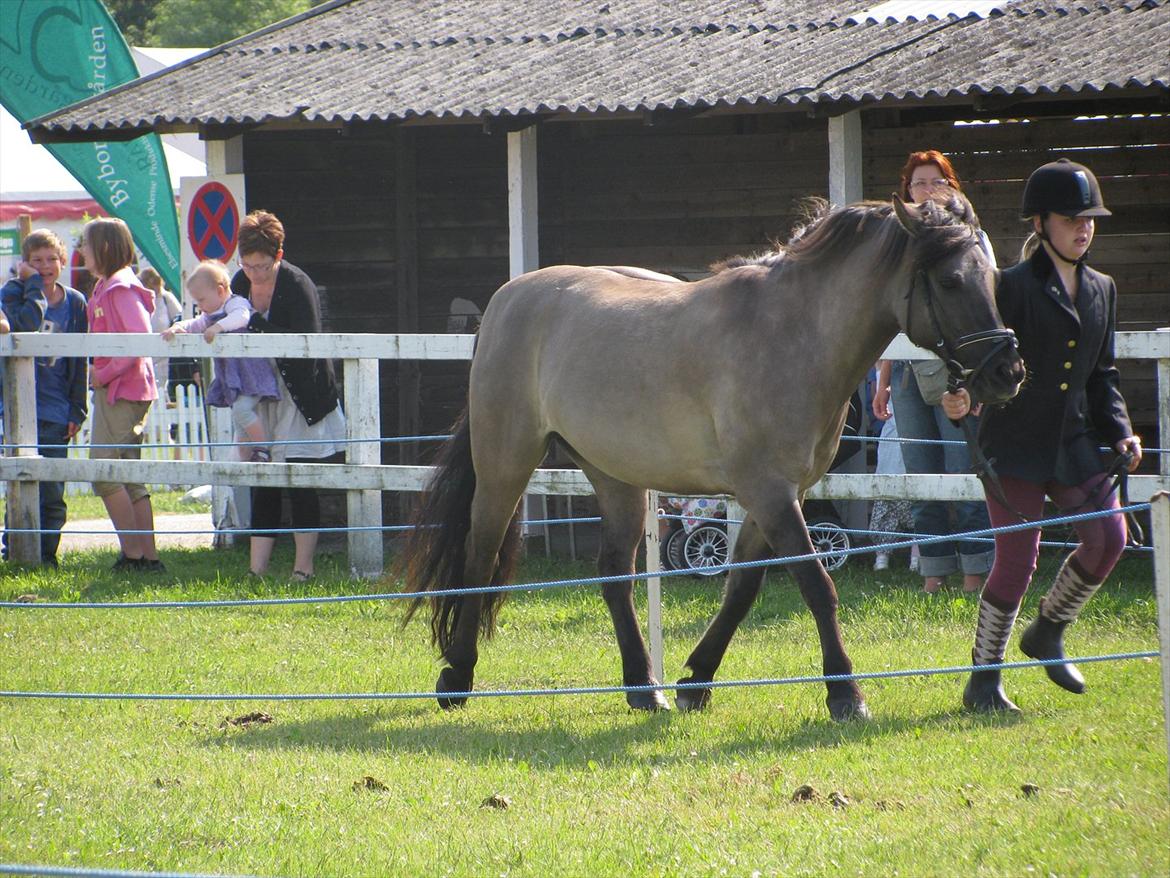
(675, 197)
(1131, 158)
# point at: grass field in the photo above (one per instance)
(363, 788)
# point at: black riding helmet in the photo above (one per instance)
(1063, 187)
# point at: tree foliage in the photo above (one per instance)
(198, 23)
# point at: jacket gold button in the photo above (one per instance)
(1068, 365)
(1064, 386)
(1072, 342)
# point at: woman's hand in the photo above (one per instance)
(881, 403)
(71, 430)
(957, 404)
(1132, 446)
(211, 332)
(169, 333)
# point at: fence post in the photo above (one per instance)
(1160, 521)
(654, 585)
(735, 517)
(1163, 388)
(364, 508)
(20, 428)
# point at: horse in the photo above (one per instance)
(596, 358)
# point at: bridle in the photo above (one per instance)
(959, 376)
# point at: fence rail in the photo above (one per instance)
(363, 476)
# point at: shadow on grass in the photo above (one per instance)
(558, 743)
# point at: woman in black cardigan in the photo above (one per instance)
(284, 299)
(1046, 441)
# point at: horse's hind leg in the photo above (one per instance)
(739, 594)
(492, 509)
(622, 518)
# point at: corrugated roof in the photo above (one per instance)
(451, 59)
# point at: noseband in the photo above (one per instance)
(959, 375)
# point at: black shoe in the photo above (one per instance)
(127, 565)
(1044, 639)
(984, 694)
(152, 565)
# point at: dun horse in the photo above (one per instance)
(596, 358)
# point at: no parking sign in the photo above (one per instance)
(212, 210)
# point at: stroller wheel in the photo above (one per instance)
(672, 550)
(706, 549)
(830, 537)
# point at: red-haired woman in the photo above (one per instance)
(916, 392)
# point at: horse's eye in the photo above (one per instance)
(950, 281)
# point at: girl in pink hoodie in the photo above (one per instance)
(124, 387)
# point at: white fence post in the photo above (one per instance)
(364, 508)
(735, 517)
(20, 428)
(654, 585)
(1160, 524)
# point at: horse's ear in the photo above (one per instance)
(908, 215)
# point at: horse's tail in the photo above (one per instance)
(436, 550)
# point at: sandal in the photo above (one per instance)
(300, 576)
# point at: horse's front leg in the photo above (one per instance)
(739, 593)
(785, 529)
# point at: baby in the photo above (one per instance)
(240, 382)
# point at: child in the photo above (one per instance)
(124, 387)
(240, 383)
(1046, 440)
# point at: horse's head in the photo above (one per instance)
(950, 304)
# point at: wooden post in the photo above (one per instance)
(1160, 521)
(364, 508)
(1163, 386)
(23, 227)
(654, 585)
(406, 287)
(846, 174)
(20, 428)
(735, 515)
(523, 236)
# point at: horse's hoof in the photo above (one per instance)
(451, 680)
(688, 700)
(845, 709)
(651, 702)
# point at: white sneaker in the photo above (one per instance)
(881, 561)
(913, 563)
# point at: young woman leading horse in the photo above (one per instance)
(574, 354)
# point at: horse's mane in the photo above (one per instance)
(827, 233)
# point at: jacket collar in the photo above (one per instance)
(1053, 288)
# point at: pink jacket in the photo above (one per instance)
(120, 303)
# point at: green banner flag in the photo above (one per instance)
(56, 52)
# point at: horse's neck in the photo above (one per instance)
(855, 323)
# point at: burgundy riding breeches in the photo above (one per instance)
(1102, 539)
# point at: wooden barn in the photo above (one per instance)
(421, 152)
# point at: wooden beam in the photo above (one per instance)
(20, 428)
(364, 508)
(523, 218)
(846, 171)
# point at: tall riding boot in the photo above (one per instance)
(1044, 638)
(984, 691)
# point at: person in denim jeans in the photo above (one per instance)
(918, 420)
(929, 174)
(36, 300)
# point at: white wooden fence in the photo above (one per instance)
(363, 476)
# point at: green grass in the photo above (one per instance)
(89, 506)
(593, 789)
